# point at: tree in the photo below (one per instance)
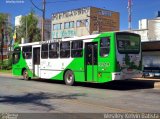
(5, 32)
(28, 28)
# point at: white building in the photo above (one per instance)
(17, 20)
(149, 29)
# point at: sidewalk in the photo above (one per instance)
(6, 74)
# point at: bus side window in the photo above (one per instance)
(54, 50)
(27, 52)
(44, 51)
(77, 49)
(104, 47)
(65, 49)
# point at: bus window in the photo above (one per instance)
(65, 49)
(104, 47)
(27, 52)
(44, 51)
(77, 49)
(53, 50)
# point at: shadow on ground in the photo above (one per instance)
(130, 84)
(36, 99)
(123, 85)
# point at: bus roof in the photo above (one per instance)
(73, 38)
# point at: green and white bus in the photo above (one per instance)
(96, 58)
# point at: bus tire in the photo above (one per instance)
(69, 78)
(25, 75)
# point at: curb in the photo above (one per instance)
(157, 85)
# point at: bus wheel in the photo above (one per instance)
(69, 78)
(25, 75)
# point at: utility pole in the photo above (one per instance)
(2, 42)
(129, 14)
(43, 19)
(26, 28)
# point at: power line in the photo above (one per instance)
(62, 1)
(43, 16)
(35, 5)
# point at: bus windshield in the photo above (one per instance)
(128, 43)
(16, 55)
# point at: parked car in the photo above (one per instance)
(151, 72)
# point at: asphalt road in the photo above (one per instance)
(41, 96)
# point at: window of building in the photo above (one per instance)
(65, 49)
(77, 49)
(27, 52)
(66, 25)
(44, 51)
(104, 46)
(71, 24)
(57, 26)
(78, 24)
(82, 23)
(53, 50)
(86, 22)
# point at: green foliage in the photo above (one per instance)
(5, 24)
(3, 18)
(7, 64)
(29, 23)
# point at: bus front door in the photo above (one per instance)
(36, 61)
(91, 61)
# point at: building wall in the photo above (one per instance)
(143, 33)
(103, 20)
(47, 27)
(149, 29)
(18, 20)
(70, 17)
(143, 24)
(154, 29)
(83, 21)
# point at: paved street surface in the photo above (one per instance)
(20, 96)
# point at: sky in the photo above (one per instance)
(141, 9)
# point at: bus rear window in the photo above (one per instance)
(128, 43)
